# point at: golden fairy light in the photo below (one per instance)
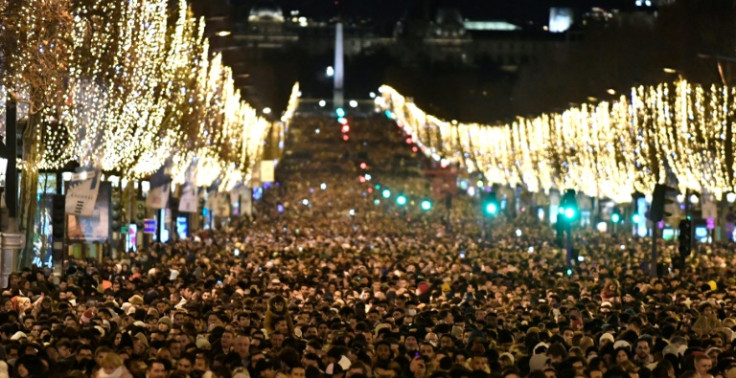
(130, 90)
(606, 150)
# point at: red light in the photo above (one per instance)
(370, 190)
(408, 140)
(343, 121)
(363, 165)
(414, 149)
(345, 138)
(345, 128)
(361, 179)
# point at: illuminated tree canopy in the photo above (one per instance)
(677, 131)
(128, 86)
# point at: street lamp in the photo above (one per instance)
(401, 200)
(731, 197)
(426, 205)
(386, 193)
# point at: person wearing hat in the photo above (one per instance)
(164, 324)
(708, 320)
(605, 339)
(140, 344)
(538, 360)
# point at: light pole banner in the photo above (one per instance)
(211, 202)
(82, 193)
(710, 210)
(222, 205)
(267, 171)
(189, 202)
(96, 227)
(246, 201)
(158, 196)
(255, 178)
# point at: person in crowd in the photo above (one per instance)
(342, 285)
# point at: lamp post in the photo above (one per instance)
(12, 238)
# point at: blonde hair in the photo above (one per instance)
(111, 360)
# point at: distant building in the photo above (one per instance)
(266, 12)
(265, 28)
(442, 34)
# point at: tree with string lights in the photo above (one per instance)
(125, 87)
(604, 150)
(35, 44)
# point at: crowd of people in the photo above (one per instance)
(340, 286)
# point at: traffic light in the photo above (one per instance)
(58, 217)
(616, 215)
(116, 212)
(686, 238)
(426, 205)
(340, 112)
(569, 206)
(490, 204)
(636, 218)
(401, 200)
(140, 213)
(345, 125)
(659, 201)
(386, 193)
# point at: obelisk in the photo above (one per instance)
(338, 94)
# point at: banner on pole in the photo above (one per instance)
(94, 228)
(82, 193)
(189, 202)
(246, 201)
(158, 196)
(255, 177)
(222, 205)
(710, 210)
(267, 171)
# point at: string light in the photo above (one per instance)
(122, 86)
(605, 150)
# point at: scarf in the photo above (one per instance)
(117, 373)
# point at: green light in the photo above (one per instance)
(376, 202)
(340, 112)
(615, 217)
(378, 186)
(401, 200)
(491, 208)
(426, 205)
(386, 193)
(636, 218)
(570, 213)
